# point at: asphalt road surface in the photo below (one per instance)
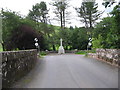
(70, 71)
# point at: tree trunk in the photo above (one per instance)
(66, 47)
(3, 46)
(61, 19)
(90, 19)
(48, 35)
(54, 47)
(64, 18)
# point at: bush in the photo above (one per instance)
(43, 53)
(23, 38)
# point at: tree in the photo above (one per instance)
(71, 28)
(89, 14)
(19, 32)
(60, 11)
(39, 12)
(100, 33)
(52, 40)
(0, 31)
(23, 39)
(10, 21)
(79, 38)
(65, 34)
(107, 32)
(115, 30)
(110, 3)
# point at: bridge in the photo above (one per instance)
(69, 71)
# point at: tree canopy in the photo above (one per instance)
(39, 12)
(19, 32)
(60, 11)
(89, 13)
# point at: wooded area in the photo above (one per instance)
(18, 32)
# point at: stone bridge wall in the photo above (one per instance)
(16, 64)
(66, 51)
(110, 55)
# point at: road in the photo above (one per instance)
(70, 71)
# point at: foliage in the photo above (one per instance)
(39, 12)
(10, 21)
(107, 32)
(110, 3)
(17, 32)
(60, 11)
(97, 42)
(89, 13)
(79, 38)
(115, 30)
(23, 38)
(65, 35)
(53, 38)
(101, 33)
(42, 53)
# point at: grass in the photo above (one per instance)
(1, 49)
(92, 51)
(42, 53)
(81, 52)
(85, 52)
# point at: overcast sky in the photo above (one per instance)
(23, 7)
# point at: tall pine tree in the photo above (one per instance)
(60, 11)
(39, 12)
(89, 14)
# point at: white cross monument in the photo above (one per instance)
(61, 49)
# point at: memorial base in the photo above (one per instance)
(61, 50)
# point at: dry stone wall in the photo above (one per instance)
(66, 51)
(109, 55)
(16, 64)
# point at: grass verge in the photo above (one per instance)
(1, 49)
(82, 52)
(42, 53)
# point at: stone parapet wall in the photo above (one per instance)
(16, 64)
(109, 55)
(66, 51)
